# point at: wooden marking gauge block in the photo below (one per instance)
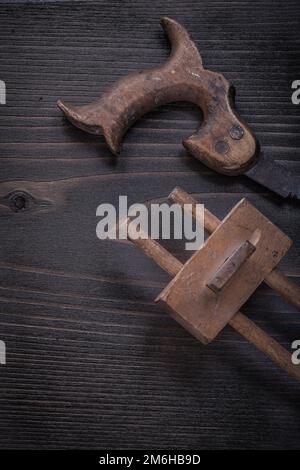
(205, 311)
(207, 291)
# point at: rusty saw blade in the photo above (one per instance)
(275, 177)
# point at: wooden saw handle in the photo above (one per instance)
(223, 142)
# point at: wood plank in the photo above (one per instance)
(91, 361)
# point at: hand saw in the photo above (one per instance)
(224, 142)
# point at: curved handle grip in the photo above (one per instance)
(223, 142)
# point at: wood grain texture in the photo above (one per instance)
(92, 362)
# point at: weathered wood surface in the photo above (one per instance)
(92, 362)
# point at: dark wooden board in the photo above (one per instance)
(92, 362)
